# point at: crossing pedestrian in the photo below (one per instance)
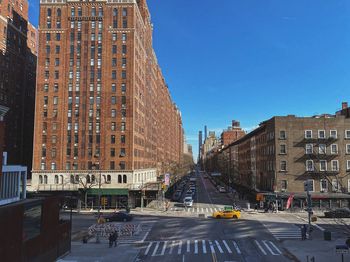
(115, 238)
(110, 239)
(303, 232)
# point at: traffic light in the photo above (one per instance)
(104, 201)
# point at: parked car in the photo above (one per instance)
(338, 213)
(222, 189)
(188, 201)
(118, 216)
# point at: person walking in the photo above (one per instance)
(303, 232)
(110, 239)
(115, 238)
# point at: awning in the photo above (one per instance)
(108, 191)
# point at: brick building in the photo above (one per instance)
(102, 107)
(285, 151)
(233, 133)
(17, 79)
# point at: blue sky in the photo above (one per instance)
(250, 59)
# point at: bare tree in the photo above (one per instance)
(86, 181)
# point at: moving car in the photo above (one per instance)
(118, 216)
(227, 214)
(222, 189)
(188, 201)
(338, 213)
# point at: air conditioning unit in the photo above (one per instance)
(283, 190)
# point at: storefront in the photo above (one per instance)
(111, 198)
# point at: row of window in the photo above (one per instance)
(122, 165)
(321, 134)
(325, 185)
(322, 149)
(310, 166)
(122, 179)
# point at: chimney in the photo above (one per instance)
(344, 105)
(235, 124)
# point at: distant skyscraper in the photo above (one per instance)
(205, 132)
(200, 141)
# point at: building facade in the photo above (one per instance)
(232, 134)
(17, 79)
(103, 108)
(285, 151)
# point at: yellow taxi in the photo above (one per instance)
(228, 212)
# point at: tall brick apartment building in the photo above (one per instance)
(102, 105)
(285, 151)
(18, 44)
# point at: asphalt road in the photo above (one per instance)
(206, 239)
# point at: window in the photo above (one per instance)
(308, 149)
(112, 139)
(312, 184)
(308, 134)
(283, 165)
(72, 11)
(309, 165)
(113, 113)
(58, 49)
(53, 166)
(122, 140)
(48, 36)
(124, 36)
(100, 11)
(93, 11)
(283, 149)
(124, 179)
(123, 126)
(125, 12)
(113, 100)
(335, 165)
(347, 134)
(323, 165)
(336, 187)
(119, 179)
(322, 149)
(112, 152)
(334, 149)
(324, 185)
(114, 49)
(40, 179)
(123, 88)
(59, 12)
(114, 87)
(348, 148)
(114, 62)
(122, 152)
(333, 134)
(321, 134)
(125, 23)
(347, 165)
(56, 179)
(114, 74)
(109, 177)
(123, 62)
(122, 165)
(113, 126)
(282, 134)
(284, 185)
(80, 13)
(114, 37)
(49, 12)
(124, 49)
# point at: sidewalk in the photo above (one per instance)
(100, 253)
(321, 250)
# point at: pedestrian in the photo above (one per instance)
(115, 238)
(303, 232)
(256, 207)
(110, 238)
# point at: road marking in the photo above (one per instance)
(188, 245)
(171, 247)
(236, 247)
(148, 248)
(143, 239)
(164, 247)
(211, 247)
(197, 210)
(279, 251)
(196, 246)
(219, 247)
(227, 247)
(180, 247)
(204, 247)
(267, 246)
(155, 249)
(260, 247)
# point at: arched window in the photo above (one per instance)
(115, 12)
(108, 178)
(61, 179)
(59, 12)
(124, 179)
(120, 179)
(40, 179)
(71, 179)
(49, 12)
(93, 179)
(88, 180)
(45, 179)
(56, 179)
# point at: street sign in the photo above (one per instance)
(341, 249)
(167, 179)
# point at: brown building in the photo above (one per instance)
(285, 151)
(232, 134)
(3, 111)
(102, 102)
(17, 80)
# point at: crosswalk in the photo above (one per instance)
(197, 247)
(198, 210)
(283, 232)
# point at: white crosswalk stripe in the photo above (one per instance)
(163, 248)
(285, 233)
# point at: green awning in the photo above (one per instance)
(108, 191)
